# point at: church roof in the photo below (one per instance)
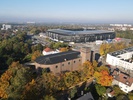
(58, 57)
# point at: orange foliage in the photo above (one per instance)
(4, 83)
(63, 49)
(14, 64)
(35, 55)
(103, 78)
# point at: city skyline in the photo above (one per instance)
(89, 11)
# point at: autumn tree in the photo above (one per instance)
(71, 78)
(4, 83)
(104, 49)
(88, 69)
(63, 49)
(103, 78)
(95, 64)
(101, 68)
(12, 82)
(33, 90)
(50, 82)
(35, 55)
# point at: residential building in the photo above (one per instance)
(124, 81)
(131, 28)
(5, 27)
(48, 51)
(122, 59)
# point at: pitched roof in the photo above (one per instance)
(121, 77)
(58, 57)
(47, 49)
(87, 96)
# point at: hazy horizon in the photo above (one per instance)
(75, 11)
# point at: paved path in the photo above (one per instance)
(88, 82)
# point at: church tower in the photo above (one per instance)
(85, 54)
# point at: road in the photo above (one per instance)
(88, 82)
(37, 39)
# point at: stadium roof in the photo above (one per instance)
(70, 32)
(58, 57)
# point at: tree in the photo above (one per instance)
(117, 90)
(104, 49)
(99, 69)
(37, 47)
(20, 78)
(122, 97)
(49, 97)
(13, 49)
(101, 90)
(57, 45)
(95, 64)
(130, 96)
(63, 49)
(4, 83)
(103, 78)
(32, 31)
(124, 34)
(72, 92)
(88, 69)
(33, 90)
(71, 78)
(35, 55)
(50, 82)
(12, 82)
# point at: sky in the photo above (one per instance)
(89, 11)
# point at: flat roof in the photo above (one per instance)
(70, 32)
(119, 52)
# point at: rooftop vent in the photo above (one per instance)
(125, 77)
